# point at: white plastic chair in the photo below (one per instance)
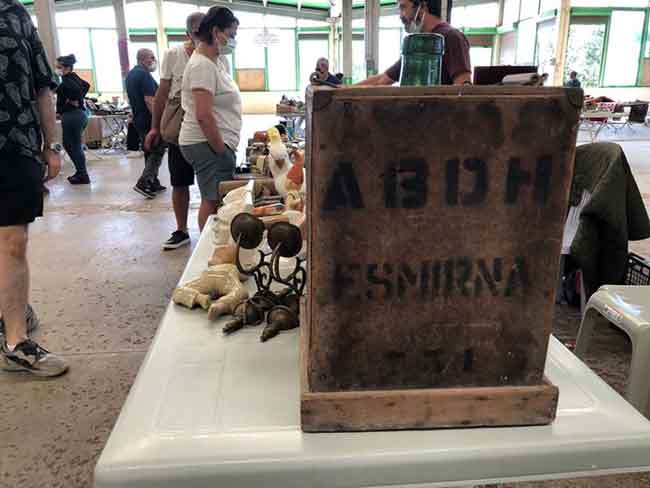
(628, 308)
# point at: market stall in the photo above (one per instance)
(231, 397)
(208, 410)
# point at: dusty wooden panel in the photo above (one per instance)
(435, 219)
(304, 340)
(427, 408)
(252, 79)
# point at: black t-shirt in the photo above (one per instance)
(140, 84)
(24, 71)
(72, 88)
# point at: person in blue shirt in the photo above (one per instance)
(323, 71)
(141, 89)
(573, 81)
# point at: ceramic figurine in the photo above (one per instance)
(224, 254)
(279, 162)
(232, 206)
(295, 183)
(219, 282)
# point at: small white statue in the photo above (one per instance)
(220, 282)
(279, 162)
(234, 202)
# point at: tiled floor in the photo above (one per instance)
(100, 284)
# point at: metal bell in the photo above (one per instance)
(248, 230)
(247, 313)
(287, 236)
(282, 317)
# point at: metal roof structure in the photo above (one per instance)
(305, 9)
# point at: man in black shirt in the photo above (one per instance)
(141, 89)
(29, 152)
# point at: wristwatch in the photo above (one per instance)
(55, 147)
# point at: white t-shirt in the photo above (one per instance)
(173, 67)
(226, 64)
(202, 72)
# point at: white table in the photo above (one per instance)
(213, 411)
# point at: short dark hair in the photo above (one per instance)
(220, 17)
(573, 73)
(433, 6)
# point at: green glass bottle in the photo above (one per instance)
(422, 59)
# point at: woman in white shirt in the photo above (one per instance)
(213, 110)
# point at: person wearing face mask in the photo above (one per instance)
(423, 16)
(71, 108)
(211, 100)
(167, 101)
(141, 90)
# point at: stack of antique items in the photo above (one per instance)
(258, 233)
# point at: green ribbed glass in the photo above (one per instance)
(422, 59)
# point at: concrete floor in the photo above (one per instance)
(100, 285)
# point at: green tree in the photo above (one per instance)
(585, 53)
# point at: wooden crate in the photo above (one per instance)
(435, 221)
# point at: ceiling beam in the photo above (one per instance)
(271, 9)
(241, 5)
(359, 13)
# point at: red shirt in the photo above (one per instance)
(455, 60)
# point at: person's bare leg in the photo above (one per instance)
(207, 208)
(181, 204)
(14, 282)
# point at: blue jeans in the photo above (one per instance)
(73, 124)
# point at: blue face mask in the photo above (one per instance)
(228, 47)
(414, 26)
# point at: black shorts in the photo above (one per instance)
(21, 189)
(180, 171)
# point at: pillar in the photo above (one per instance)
(445, 10)
(119, 7)
(562, 44)
(46, 15)
(335, 64)
(161, 35)
(347, 41)
(496, 51)
(372, 37)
